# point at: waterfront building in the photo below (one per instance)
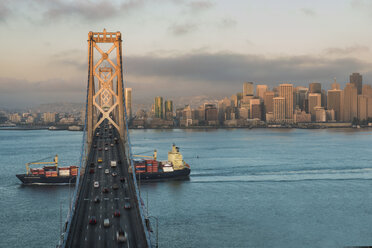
(350, 102)
(168, 107)
(30, 119)
(314, 100)
(234, 101)
(279, 108)
(248, 89)
(260, 90)
(300, 116)
(256, 112)
(268, 101)
(251, 103)
(334, 101)
(15, 118)
(158, 107)
(211, 114)
(362, 107)
(286, 91)
(49, 117)
(320, 114)
(243, 113)
(357, 80)
(315, 87)
(330, 115)
(128, 102)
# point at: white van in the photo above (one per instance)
(106, 222)
(113, 163)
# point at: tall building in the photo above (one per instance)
(252, 103)
(357, 80)
(49, 117)
(268, 101)
(334, 102)
(335, 85)
(367, 90)
(286, 91)
(315, 88)
(279, 108)
(248, 89)
(168, 106)
(350, 103)
(362, 107)
(158, 107)
(128, 102)
(300, 95)
(260, 90)
(314, 100)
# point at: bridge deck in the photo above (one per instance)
(84, 234)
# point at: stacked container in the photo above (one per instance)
(140, 166)
(155, 166)
(64, 171)
(149, 165)
(74, 170)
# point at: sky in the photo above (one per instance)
(175, 48)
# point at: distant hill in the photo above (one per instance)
(66, 107)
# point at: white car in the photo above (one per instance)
(106, 149)
(99, 166)
(96, 184)
(106, 222)
(107, 171)
(121, 236)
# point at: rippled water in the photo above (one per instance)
(248, 188)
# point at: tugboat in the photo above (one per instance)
(50, 174)
(151, 169)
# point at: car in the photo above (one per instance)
(122, 179)
(99, 166)
(105, 190)
(100, 160)
(112, 144)
(100, 149)
(92, 220)
(106, 149)
(95, 146)
(121, 236)
(91, 171)
(107, 171)
(119, 161)
(106, 222)
(96, 184)
(127, 203)
(117, 213)
(106, 144)
(92, 164)
(114, 174)
(115, 186)
(97, 200)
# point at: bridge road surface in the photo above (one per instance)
(88, 235)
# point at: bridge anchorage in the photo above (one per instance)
(106, 209)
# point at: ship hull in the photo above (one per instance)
(174, 175)
(43, 180)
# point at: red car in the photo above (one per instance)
(117, 213)
(105, 190)
(92, 220)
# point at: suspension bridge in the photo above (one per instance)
(106, 209)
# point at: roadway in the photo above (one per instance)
(85, 234)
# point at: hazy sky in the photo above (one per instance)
(178, 47)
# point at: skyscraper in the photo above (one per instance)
(334, 102)
(315, 100)
(248, 89)
(286, 91)
(300, 97)
(335, 85)
(362, 107)
(350, 102)
(260, 90)
(268, 101)
(168, 106)
(357, 80)
(128, 102)
(158, 107)
(315, 88)
(279, 108)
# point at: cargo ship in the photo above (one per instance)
(49, 174)
(151, 169)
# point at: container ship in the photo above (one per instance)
(151, 169)
(49, 174)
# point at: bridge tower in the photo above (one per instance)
(105, 100)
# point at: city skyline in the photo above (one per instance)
(199, 48)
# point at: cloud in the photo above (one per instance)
(227, 23)
(5, 11)
(200, 5)
(308, 12)
(346, 51)
(192, 74)
(182, 29)
(362, 5)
